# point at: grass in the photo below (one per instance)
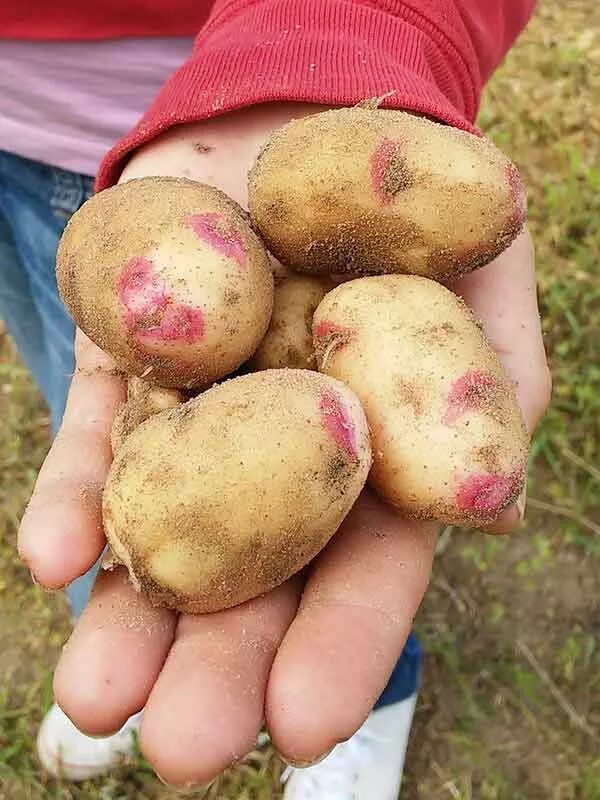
(510, 708)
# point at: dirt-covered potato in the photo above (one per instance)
(224, 497)
(288, 342)
(167, 276)
(143, 401)
(369, 191)
(449, 442)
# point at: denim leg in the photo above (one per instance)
(79, 591)
(17, 308)
(36, 201)
(405, 679)
(36, 205)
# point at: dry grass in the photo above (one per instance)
(510, 708)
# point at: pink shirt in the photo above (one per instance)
(67, 103)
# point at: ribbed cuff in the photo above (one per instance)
(334, 53)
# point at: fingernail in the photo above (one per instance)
(45, 589)
(305, 764)
(174, 787)
(522, 503)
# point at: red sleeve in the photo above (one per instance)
(434, 54)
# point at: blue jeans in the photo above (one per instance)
(36, 201)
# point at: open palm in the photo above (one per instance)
(310, 657)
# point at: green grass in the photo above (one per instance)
(510, 707)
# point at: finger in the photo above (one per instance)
(511, 518)
(61, 533)
(503, 295)
(355, 615)
(207, 706)
(111, 661)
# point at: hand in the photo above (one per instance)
(310, 659)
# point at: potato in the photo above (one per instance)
(143, 401)
(449, 442)
(288, 342)
(223, 498)
(167, 276)
(370, 191)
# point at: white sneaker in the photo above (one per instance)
(366, 767)
(66, 752)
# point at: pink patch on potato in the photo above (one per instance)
(326, 328)
(179, 323)
(388, 170)
(141, 291)
(220, 234)
(517, 195)
(150, 312)
(486, 494)
(471, 392)
(338, 422)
